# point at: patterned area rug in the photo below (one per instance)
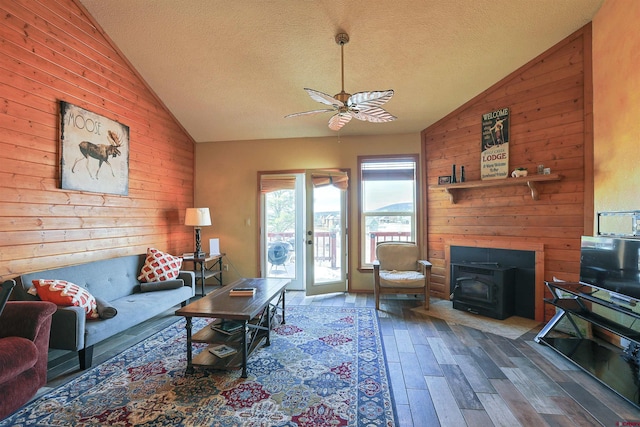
(325, 367)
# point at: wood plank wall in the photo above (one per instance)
(52, 51)
(550, 104)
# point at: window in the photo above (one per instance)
(388, 208)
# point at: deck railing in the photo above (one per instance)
(325, 244)
(376, 237)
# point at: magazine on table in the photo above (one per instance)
(227, 327)
(222, 350)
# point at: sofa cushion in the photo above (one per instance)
(65, 293)
(161, 286)
(17, 354)
(134, 309)
(108, 279)
(159, 266)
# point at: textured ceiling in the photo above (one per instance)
(231, 70)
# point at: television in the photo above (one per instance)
(611, 264)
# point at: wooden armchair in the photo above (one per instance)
(398, 269)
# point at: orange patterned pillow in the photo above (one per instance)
(65, 293)
(160, 266)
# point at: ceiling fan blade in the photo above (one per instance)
(324, 98)
(366, 100)
(308, 113)
(374, 115)
(338, 120)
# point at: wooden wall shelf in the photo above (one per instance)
(529, 181)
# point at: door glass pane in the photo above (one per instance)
(280, 227)
(327, 231)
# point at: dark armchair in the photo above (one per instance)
(24, 346)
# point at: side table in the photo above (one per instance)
(205, 268)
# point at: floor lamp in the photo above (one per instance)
(198, 217)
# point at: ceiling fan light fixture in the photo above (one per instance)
(363, 106)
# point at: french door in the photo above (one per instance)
(326, 233)
(303, 232)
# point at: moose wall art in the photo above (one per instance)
(94, 152)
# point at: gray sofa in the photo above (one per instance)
(114, 281)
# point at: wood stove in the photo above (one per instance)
(484, 288)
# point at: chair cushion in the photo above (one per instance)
(16, 356)
(398, 256)
(401, 279)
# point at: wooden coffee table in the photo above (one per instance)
(254, 313)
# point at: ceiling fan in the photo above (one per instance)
(363, 106)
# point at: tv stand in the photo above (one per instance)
(598, 358)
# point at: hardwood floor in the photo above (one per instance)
(444, 374)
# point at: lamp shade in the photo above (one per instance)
(197, 217)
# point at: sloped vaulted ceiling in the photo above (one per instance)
(231, 70)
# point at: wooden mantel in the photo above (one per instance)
(529, 181)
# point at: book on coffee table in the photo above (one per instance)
(242, 292)
(227, 327)
(222, 350)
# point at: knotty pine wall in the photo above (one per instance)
(550, 104)
(52, 51)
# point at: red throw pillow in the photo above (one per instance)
(65, 293)
(160, 266)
